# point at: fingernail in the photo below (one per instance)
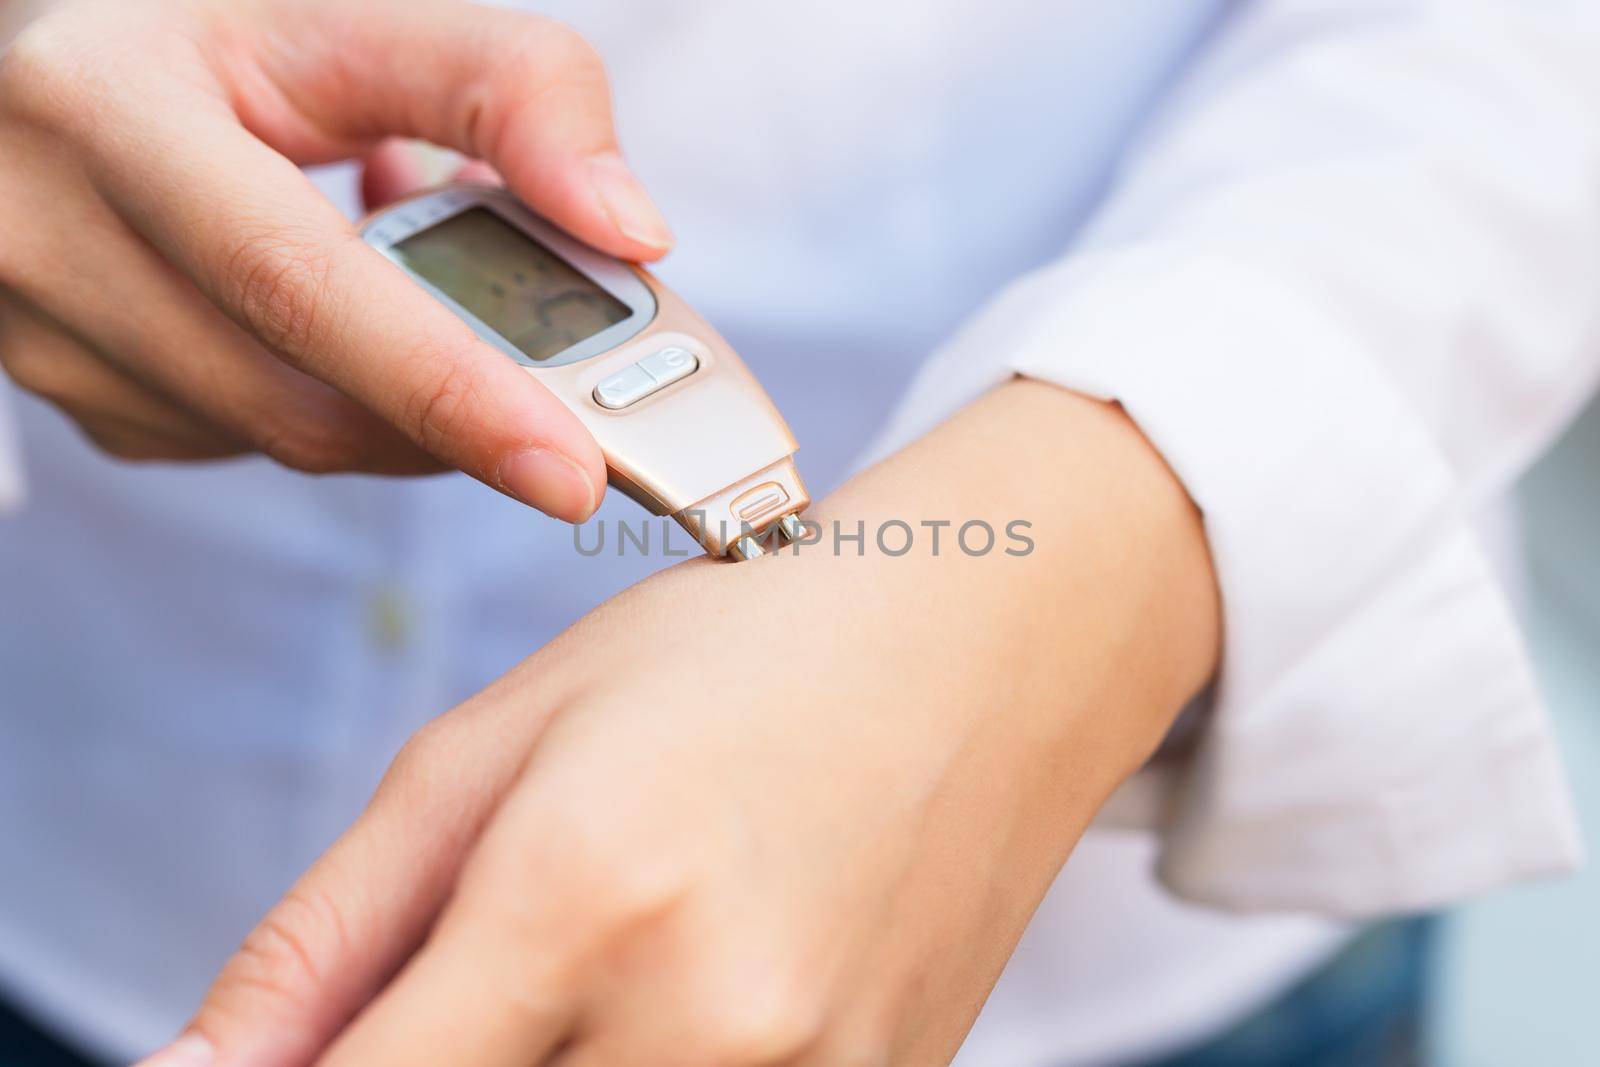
(632, 211)
(190, 1050)
(550, 482)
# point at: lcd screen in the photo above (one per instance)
(517, 287)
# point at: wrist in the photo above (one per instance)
(1114, 601)
(1076, 651)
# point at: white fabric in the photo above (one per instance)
(1348, 290)
(1345, 285)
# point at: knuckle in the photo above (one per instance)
(111, 442)
(135, 447)
(635, 893)
(422, 748)
(871, 1048)
(627, 891)
(743, 1033)
(624, 895)
(547, 47)
(757, 1004)
(32, 370)
(70, 64)
(551, 66)
(47, 374)
(307, 444)
(276, 281)
(39, 68)
(61, 57)
(571, 51)
(418, 765)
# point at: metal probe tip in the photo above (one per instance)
(747, 548)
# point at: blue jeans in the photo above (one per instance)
(1363, 1009)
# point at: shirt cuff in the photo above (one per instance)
(1376, 741)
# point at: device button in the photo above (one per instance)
(670, 365)
(624, 388)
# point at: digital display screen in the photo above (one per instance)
(517, 287)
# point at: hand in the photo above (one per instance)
(794, 811)
(171, 280)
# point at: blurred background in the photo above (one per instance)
(1520, 971)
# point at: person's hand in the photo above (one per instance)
(793, 811)
(173, 282)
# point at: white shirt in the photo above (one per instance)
(1337, 258)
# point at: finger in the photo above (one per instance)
(551, 897)
(121, 415)
(364, 906)
(392, 171)
(697, 994)
(476, 170)
(254, 235)
(498, 983)
(470, 998)
(524, 93)
(398, 168)
(164, 335)
(129, 441)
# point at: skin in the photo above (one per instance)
(174, 283)
(806, 818)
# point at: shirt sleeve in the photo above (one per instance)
(1346, 283)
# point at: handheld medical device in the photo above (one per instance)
(686, 429)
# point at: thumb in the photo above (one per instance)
(208, 184)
